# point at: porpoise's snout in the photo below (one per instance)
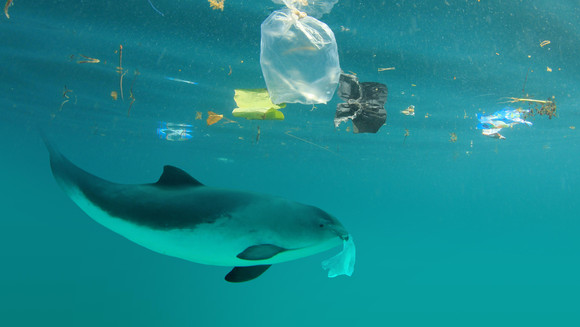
(340, 231)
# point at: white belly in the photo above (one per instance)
(211, 244)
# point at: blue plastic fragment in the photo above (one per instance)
(174, 132)
(507, 117)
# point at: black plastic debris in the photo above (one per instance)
(365, 104)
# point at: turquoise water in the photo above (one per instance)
(476, 232)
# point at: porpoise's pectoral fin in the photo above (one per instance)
(244, 274)
(255, 252)
(260, 252)
(175, 177)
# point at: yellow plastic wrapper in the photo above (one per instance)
(255, 104)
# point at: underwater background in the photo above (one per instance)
(472, 231)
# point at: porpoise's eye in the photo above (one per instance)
(321, 225)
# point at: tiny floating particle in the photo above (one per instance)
(544, 43)
(407, 133)
(180, 80)
(88, 60)
(452, 137)
(216, 4)
(8, 4)
(410, 111)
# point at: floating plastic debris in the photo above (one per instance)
(299, 54)
(494, 133)
(174, 132)
(255, 104)
(342, 263)
(507, 117)
(365, 104)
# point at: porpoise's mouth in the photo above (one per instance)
(344, 237)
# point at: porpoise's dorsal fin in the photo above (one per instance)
(175, 177)
(244, 274)
(260, 252)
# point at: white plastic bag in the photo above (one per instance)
(299, 58)
(342, 263)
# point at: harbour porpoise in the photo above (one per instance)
(180, 217)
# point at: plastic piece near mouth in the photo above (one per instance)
(342, 263)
